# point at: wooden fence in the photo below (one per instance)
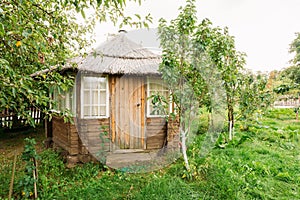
(8, 118)
(287, 103)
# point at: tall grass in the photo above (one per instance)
(260, 163)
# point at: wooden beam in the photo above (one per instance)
(112, 105)
(143, 117)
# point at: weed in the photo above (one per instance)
(261, 162)
(28, 182)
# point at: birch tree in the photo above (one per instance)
(187, 48)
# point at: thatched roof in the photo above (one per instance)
(121, 56)
(71, 64)
(118, 55)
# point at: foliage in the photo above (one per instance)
(160, 104)
(199, 62)
(289, 77)
(257, 164)
(254, 96)
(36, 35)
(103, 135)
(202, 55)
(293, 73)
(295, 48)
(30, 157)
(163, 188)
(261, 163)
(177, 69)
(220, 49)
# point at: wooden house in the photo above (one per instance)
(111, 102)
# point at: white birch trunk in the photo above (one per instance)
(183, 147)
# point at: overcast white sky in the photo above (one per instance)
(263, 29)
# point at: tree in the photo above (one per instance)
(295, 48)
(292, 73)
(254, 96)
(37, 35)
(289, 78)
(190, 50)
(176, 66)
(219, 47)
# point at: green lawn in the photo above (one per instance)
(260, 163)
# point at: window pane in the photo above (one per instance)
(62, 103)
(151, 109)
(103, 85)
(86, 98)
(71, 101)
(157, 87)
(64, 99)
(95, 97)
(102, 97)
(95, 111)
(165, 94)
(154, 87)
(86, 111)
(102, 110)
(86, 83)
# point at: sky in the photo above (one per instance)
(263, 29)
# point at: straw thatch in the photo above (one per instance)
(116, 56)
(121, 56)
(71, 64)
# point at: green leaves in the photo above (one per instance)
(295, 48)
(204, 56)
(2, 31)
(187, 18)
(30, 157)
(254, 96)
(36, 35)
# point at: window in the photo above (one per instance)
(156, 86)
(94, 97)
(64, 100)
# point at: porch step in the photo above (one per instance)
(140, 161)
(123, 151)
(129, 160)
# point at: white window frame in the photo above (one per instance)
(149, 81)
(67, 103)
(83, 104)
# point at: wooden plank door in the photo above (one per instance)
(128, 112)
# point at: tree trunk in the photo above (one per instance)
(183, 147)
(230, 117)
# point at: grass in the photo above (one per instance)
(260, 163)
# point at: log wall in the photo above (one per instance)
(173, 133)
(65, 135)
(93, 136)
(93, 139)
(156, 132)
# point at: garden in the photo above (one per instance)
(254, 154)
(261, 162)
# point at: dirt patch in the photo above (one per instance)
(12, 141)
